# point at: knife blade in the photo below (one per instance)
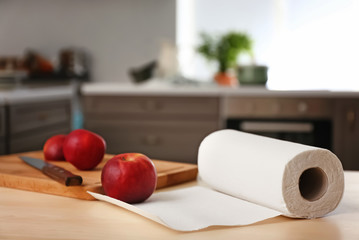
(57, 173)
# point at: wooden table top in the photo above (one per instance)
(30, 215)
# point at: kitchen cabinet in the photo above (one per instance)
(30, 124)
(162, 127)
(346, 132)
(31, 114)
(169, 121)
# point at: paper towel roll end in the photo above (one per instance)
(313, 184)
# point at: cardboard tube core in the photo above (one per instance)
(313, 184)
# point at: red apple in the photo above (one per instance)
(129, 177)
(53, 148)
(84, 149)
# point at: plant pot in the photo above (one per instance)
(226, 79)
(252, 75)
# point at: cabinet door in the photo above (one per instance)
(346, 132)
(26, 117)
(164, 140)
(30, 124)
(35, 140)
(162, 127)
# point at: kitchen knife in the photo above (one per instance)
(57, 173)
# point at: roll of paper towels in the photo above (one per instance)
(297, 180)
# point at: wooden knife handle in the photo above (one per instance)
(62, 175)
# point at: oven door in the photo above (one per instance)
(310, 132)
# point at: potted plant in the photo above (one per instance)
(225, 50)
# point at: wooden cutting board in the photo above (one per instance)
(14, 173)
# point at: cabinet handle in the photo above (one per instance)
(351, 117)
(151, 106)
(276, 108)
(152, 140)
(42, 116)
(302, 107)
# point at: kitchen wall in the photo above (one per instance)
(118, 34)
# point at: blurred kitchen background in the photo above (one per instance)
(130, 70)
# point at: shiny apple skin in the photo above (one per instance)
(84, 149)
(129, 177)
(53, 148)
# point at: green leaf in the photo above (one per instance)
(226, 49)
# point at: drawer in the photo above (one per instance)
(173, 141)
(278, 107)
(2, 122)
(27, 117)
(155, 106)
(35, 140)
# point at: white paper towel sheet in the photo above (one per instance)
(195, 208)
(250, 178)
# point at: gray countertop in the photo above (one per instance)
(20, 95)
(163, 88)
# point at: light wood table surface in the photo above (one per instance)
(30, 215)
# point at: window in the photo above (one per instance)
(307, 44)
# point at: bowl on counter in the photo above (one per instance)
(252, 75)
